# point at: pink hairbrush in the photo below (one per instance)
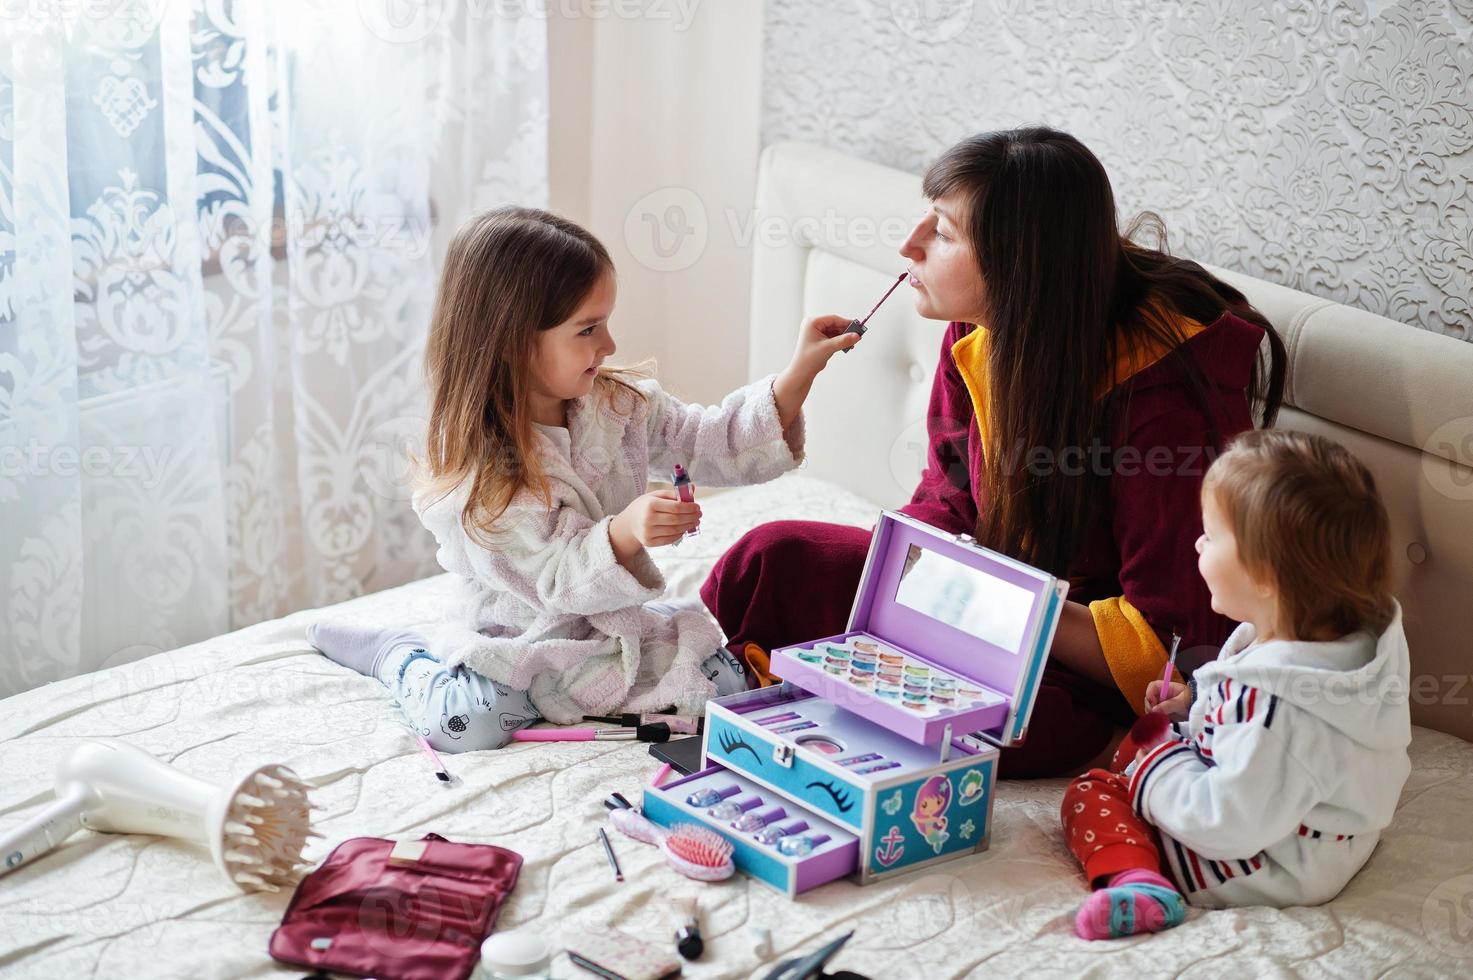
(690, 849)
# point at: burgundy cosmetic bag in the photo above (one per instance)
(405, 910)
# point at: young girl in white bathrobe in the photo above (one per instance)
(534, 480)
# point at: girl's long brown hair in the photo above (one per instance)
(1064, 294)
(509, 273)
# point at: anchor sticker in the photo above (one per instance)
(894, 847)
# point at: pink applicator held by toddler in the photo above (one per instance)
(1150, 729)
(1170, 666)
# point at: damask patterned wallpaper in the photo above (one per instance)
(1323, 144)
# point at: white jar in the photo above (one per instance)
(515, 956)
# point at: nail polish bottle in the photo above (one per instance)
(773, 833)
(731, 809)
(749, 822)
(799, 845)
(707, 796)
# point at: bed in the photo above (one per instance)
(116, 906)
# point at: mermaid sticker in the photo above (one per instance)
(929, 815)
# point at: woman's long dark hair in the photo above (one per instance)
(1064, 294)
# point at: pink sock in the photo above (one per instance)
(1131, 902)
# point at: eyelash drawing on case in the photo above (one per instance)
(840, 796)
(730, 742)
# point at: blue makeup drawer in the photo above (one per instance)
(832, 851)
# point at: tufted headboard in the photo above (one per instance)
(827, 230)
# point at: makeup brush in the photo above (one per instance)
(858, 326)
(679, 724)
(658, 732)
(688, 939)
(440, 772)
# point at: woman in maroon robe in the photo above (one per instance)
(1110, 374)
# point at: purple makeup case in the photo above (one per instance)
(879, 749)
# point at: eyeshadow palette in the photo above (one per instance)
(915, 685)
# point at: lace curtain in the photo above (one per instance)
(220, 226)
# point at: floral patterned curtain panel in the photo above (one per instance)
(220, 225)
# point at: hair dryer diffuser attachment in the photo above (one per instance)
(255, 826)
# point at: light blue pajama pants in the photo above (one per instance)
(458, 710)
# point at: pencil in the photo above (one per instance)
(609, 850)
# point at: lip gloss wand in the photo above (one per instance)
(858, 326)
(687, 491)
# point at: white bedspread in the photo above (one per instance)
(117, 906)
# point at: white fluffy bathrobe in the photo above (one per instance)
(549, 609)
(1277, 787)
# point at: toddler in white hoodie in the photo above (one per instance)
(1285, 757)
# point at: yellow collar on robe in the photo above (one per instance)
(970, 356)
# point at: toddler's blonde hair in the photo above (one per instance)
(1307, 517)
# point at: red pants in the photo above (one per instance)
(1100, 825)
(791, 581)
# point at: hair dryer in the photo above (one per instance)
(255, 827)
